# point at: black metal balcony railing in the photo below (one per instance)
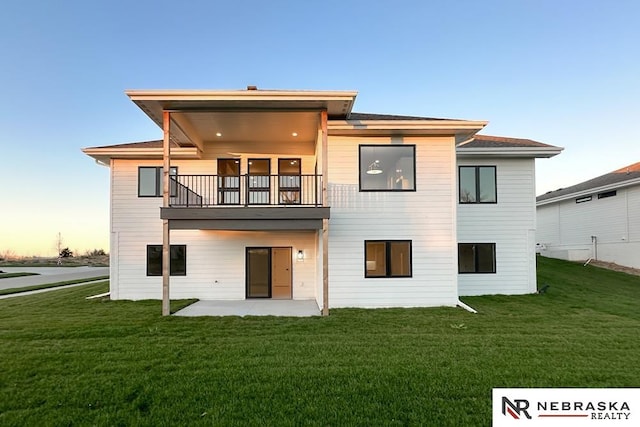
(245, 190)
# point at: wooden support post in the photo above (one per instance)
(166, 241)
(325, 222)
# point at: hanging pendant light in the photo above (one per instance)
(374, 168)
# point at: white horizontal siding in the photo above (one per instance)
(566, 228)
(507, 223)
(215, 259)
(426, 217)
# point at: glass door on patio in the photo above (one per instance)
(268, 273)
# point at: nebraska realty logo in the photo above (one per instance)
(566, 406)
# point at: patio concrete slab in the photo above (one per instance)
(252, 307)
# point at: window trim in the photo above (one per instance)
(477, 177)
(158, 178)
(387, 254)
(475, 260)
(386, 190)
(170, 253)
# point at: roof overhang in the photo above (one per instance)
(105, 154)
(538, 152)
(198, 116)
(461, 129)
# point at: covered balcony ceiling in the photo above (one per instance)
(270, 127)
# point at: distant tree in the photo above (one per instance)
(95, 252)
(66, 253)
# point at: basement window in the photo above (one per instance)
(607, 194)
(177, 263)
(387, 258)
(476, 258)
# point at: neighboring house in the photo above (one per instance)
(289, 194)
(597, 219)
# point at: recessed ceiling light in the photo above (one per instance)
(294, 134)
(218, 134)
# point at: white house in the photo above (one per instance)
(289, 194)
(596, 219)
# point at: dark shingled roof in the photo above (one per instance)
(621, 175)
(143, 144)
(369, 116)
(488, 141)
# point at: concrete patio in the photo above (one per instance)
(252, 307)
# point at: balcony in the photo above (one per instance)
(246, 202)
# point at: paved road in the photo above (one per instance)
(49, 275)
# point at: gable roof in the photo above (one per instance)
(622, 177)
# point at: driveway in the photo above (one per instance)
(49, 275)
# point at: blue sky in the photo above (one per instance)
(561, 72)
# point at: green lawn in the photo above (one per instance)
(70, 361)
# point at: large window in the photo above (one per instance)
(387, 258)
(177, 264)
(476, 257)
(478, 184)
(387, 167)
(150, 181)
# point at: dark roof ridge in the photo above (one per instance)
(376, 116)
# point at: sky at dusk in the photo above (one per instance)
(565, 73)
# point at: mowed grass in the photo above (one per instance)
(70, 361)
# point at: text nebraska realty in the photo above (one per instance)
(611, 410)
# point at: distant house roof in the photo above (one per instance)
(614, 179)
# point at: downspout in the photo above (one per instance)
(594, 247)
(466, 307)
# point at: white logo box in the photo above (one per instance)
(566, 407)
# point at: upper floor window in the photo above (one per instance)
(478, 184)
(387, 258)
(387, 168)
(150, 181)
